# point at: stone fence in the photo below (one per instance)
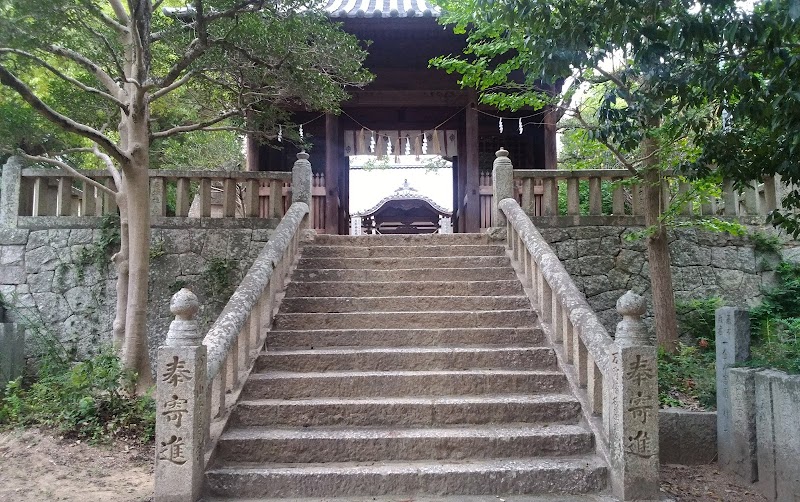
(537, 191)
(32, 194)
(614, 379)
(198, 378)
(758, 432)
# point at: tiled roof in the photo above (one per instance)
(381, 8)
(405, 192)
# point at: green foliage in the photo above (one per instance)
(99, 252)
(157, 250)
(219, 278)
(238, 70)
(764, 242)
(776, 323)
(696, 318)
(83, 399)
(83, 396)
(688, 377)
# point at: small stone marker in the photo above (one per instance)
(634, 421)
(180, 395)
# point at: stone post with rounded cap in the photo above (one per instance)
(301, 181)
(180, 405)
(633, 421)
(502, 186)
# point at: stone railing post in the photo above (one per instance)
(736, 451)
(180, 403)
(502, 186)
(301, 184)
(633, 435)
(12, 350)
(10, 185)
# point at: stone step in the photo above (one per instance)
(400, 240)
(399, 251)
(407, 411)
(406, 359)
(326, 304)
(404, 288)
(443, 337)
(378, 444)
(388, 262)
(522, 318)
(583, 474)
(425, 498)
(294, 385)
(337, 274)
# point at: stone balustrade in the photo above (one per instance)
(41, 192)
(538, 192)
(199, 378)
(615, 379)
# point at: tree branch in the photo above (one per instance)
(166, 90)
(68, 168)
(90, 65)
(193, 51)
(120, 12)
(67, 124)
(112, 169)
(107, 20)
(71, 80)
(194, 127)
(611, 147)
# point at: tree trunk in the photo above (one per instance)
(122, 265)
(136, 353)
(658, 254)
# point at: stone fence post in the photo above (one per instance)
(502, 186)
(10, 185)
(732, 335)
(301, 185)
(12, 350)
(180, 403)
(633, 434)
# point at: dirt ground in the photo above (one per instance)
(35, 466)
(704, 482)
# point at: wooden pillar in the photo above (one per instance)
(331, 174)
(549, 129)
(472, 215)
(252, 160)
(460, 175)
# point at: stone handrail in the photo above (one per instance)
(587, 344)
(270, 267)
(199, 377)
(615, 379)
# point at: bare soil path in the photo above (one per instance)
(35, 466)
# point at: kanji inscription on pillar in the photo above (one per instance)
(176, 372)
(173, 450)
(174, 409)
(640, 445)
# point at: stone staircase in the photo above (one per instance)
(405, 368)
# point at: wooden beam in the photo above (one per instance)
(472, 214)
(549, 130)
(332, 146)
(396, 99)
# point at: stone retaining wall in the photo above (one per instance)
(45, 276)
(604, 264)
